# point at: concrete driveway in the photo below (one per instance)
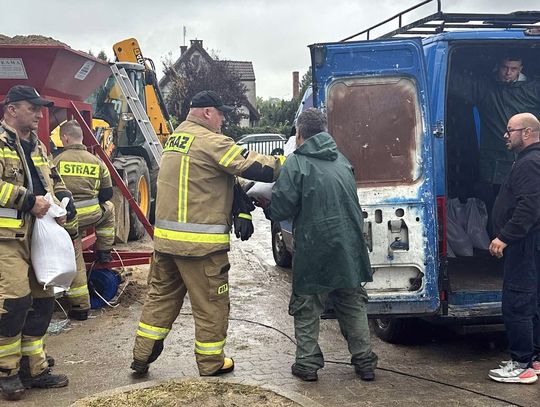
(447, 369)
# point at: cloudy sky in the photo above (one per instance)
(273, 34)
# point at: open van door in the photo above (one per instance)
(375, 96)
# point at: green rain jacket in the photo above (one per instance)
(316, 188)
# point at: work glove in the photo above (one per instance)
(242, 207)
(243, 226)
(70, 208)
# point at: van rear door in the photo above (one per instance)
(375, 96)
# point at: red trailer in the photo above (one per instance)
(68, 77)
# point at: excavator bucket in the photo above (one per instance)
(56, 71)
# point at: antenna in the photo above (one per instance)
(184, 31)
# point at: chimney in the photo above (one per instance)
(183, 48)
(295, 84)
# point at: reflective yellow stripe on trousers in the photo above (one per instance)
(77, 291)
(105, 232)
(209, 348)
(152, 332)
(32, 348)
(10, 349)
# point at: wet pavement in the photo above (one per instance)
(445, 369)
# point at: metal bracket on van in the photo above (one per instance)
(398, 236)
(438, 129)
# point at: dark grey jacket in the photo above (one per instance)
(516, 211)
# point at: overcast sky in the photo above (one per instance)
(273, 34)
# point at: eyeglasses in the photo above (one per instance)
(507, 132)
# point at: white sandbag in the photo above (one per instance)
(456, 235)
(51, 250)
(261, 190)
(264, 189)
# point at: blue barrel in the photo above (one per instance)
(105, 282)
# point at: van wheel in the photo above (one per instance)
(394, 330)
(281, 256)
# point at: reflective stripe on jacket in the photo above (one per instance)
(195, 188)
(15, 181)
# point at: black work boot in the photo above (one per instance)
(304, 374)
(11, 387)
(140, 368)
(367, 375)
(45, 380)
(103, 256)
(78, 314)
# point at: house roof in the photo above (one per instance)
(243, 68)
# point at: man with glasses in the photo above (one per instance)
(516, 221)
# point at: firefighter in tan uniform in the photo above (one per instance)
(88, 179)
(26, 175)
(192, 233)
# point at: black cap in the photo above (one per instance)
(28, 93)
(209, 98)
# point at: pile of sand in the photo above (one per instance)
(29, 40)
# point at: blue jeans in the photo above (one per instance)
(521, 297)
(350, 308)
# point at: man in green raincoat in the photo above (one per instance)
(317, 189)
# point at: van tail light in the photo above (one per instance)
(442, 295)
(441, 224)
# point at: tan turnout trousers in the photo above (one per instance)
(207, 282)
(22, 333)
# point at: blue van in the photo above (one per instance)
(413, 145)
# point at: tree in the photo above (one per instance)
(306, 81)
(103, 56)
(276, 112)
(193, 77)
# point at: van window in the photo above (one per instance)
(377, 125)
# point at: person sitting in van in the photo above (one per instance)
(317, 189)
(497, 98)
(516, 217)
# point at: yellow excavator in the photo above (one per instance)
(131, 122)
(130, 51)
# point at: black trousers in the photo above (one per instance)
(521, 297)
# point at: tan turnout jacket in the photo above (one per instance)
(195, 188)
(15, 182)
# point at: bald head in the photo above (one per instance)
(523, 129)
(71, 133)
(529, 120)
(210, 116)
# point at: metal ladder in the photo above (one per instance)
(138, 111)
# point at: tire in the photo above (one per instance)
(138, 178)
(395, 330)
(281, 256)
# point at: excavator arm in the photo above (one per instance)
(129, 51)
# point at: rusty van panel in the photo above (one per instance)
(376, 123)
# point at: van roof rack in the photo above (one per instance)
(441, 22)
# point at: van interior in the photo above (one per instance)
(477, 271)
